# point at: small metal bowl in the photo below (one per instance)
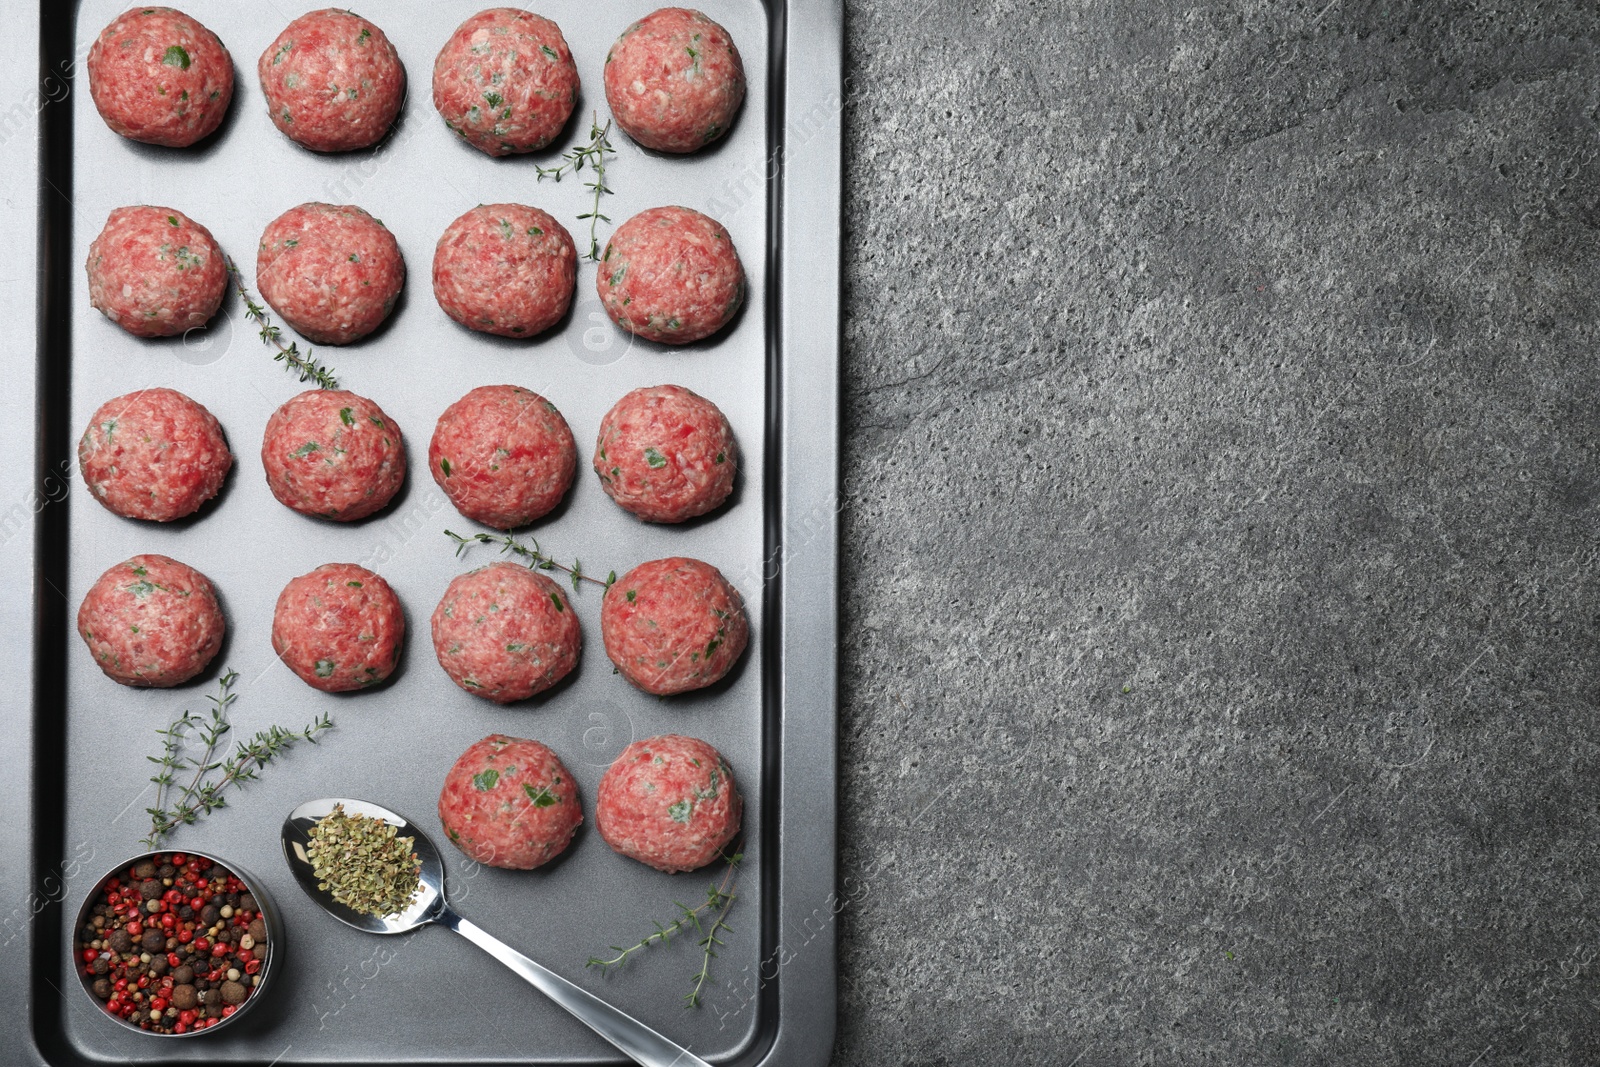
(266, 907)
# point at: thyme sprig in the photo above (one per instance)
(536, 558)
(717, 903)
(593, 155)
(306, 366)
(212, 777)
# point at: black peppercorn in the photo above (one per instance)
(120, 941)
(210, 914)
(166, 870)
(144, 869)
(150, 889)
(182, 975)
(158, 965)
(100, 965)
(101, 988)
(233, 992)
(153, 940)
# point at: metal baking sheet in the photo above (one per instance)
(430, 997)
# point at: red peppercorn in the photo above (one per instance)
(188, 1016)
(135, 929)
(173, 896)
(219, 950)
(197, 903)
(120, 984)
(252, 966)
(202, 945)
(90, 955)
(169, 921)
(174, 960)
(185, 936)
(229, 1009)
(178, 859)
(158, 1004)
(144, 981)
(180, 1029)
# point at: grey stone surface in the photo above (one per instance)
(1222, 482)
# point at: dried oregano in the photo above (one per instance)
(363, 863)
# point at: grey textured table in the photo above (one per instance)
(1222, 475)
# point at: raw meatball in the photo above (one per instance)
(158, 76)
(505, 81)
(339, 628)
(156, 272)
(504, 633)
(151, 621)
(503, 455)
(333, 454)
(670, 803)
(510, 802)
(674, 80)
(332, 272)
(505, 269)
(154, 454)
(672, 625)
(672, 275)
(332, 80)
(666, 454)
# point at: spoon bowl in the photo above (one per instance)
(429, 906)
(426, 905)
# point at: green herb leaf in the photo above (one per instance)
(542, 797)
(486, 780)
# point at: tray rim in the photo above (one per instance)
(801, 606)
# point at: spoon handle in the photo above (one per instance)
(630, 1035)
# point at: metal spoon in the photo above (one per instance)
(628, 1034)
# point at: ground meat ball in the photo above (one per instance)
(672, 275)
(154, 454)
(674, 80)
(503, 455)
(505, 633)
(151, 621)
(672, 625)
(156, 272)
(666, 454)
(505, 269)
(505, 81)
(670, 803)
(339, 628)
(333, 82)
(158, 76)
(510, 802)
(333, 454)
(332, 272)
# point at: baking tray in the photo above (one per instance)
(428, 997)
